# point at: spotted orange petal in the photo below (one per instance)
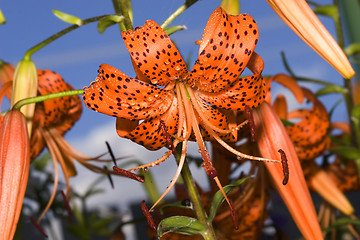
(249, 91)
(51, 82)
(310, 134)
(154, 53)
(226, 47)
(60, 113)
(114, 93)
(216, 118)
(148, 132)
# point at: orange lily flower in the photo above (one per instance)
(302, 20)
(166, 95)
(52, 119)
(310, 138)
(14, 170)
(272, 137)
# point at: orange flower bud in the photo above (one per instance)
(14, 170)
(302, 20)
(272, 137)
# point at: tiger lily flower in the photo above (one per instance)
(52, 119)
(272, 136)
(174, 102)
(14, 170)
(302, 20)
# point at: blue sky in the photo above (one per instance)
(77, 56)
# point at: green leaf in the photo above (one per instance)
(348, 152)
(67, 17)
(78, 215)
(218, 198)
(108, 21)
(286, 123)
(331, 89)
(180, 224)
(341, 222)
(174, 29)
(327, 10)
(41, 162)
(2, 18)
(353, 49)
(79, 231)
(177, 204)
(355, 112)
(286, 65)
(93, 192)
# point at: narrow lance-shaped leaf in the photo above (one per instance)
(108, 21)
(218, 198)
(67, 17)
(180, 224)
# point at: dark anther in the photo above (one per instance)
(38, 227)
(234, 215)
(128, 174)
(167, 136)
(148, 216)
(285, 166)
(110, 152)
(67, 205)
(109, 177)
(251, 123)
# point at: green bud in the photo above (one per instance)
(25, 86)
(231, 6)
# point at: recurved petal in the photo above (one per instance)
(54, 109)
(14, 170)
(113, 93)
(154, 53)
(302, 20)
(326, 187)
(272, 136)
(226, 47)
(148, 133)
(7, 71)
(250, 91)
(310, 134)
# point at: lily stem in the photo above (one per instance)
(196, 202)
(178, 11)
(347, 83)
(37, 47)
(123, 7)
(42, 98)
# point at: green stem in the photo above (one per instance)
(37, 47)
(347, 83)
(178, 11)
(195, 199)
(122, 7)
(42, 98)
(305, 79)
